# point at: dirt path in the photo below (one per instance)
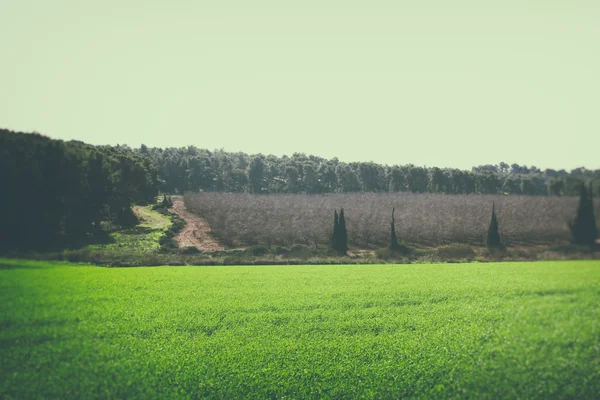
(196, 231)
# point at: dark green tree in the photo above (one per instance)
(65, 190)
(343, 234)
(339, 236)
(394, 245)
(493, 240)
(256, 175)
(584, 230)
(167, 202)
(335, 234)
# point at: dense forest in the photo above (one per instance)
(57, 191)
(192, 169)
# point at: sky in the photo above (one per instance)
(430, 82)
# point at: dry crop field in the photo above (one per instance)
(426, 219)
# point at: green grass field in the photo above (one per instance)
(528, 330)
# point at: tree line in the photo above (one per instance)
(57, 192)
(193, 169)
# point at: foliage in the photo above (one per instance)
(584, 230)
(193, 169)
(56, 192)
(299, 251)
(335, 235)
(167, 202)
(279, 250)
(258, 250)
(167, 243)
(339, 237)
(419, 331)
(395, 245)
(342, 241)
(493, 239)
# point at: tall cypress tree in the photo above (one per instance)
(584, 230)
(493, 236)
(335, 235)
(343, 234)
(594, 228)
(394, 245)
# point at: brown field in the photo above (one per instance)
(421, 219)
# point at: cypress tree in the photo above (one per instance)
(594, 228)
(493, 236)
(165, 201)
(335, 235)
(394, 245)
(343, 234)
(584, 230)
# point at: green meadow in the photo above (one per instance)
(498, 330)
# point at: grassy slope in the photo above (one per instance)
(480, 330)
(144, 237)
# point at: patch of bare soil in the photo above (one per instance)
(196, 231)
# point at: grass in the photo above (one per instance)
(142, 238)
(497, 330)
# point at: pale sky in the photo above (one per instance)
(429, 82)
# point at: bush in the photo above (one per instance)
(127, 218)
(279, 250)
(166, 242)
(159, 207)
(258, 250)
(188, 250)
(299, 251)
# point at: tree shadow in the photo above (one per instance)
(138, 230)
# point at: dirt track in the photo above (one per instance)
(196, 231)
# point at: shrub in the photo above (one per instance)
(279, 250)
(159, 207)
(127, 218)
(166, 242)
(258, 250)
(299, 251)
(189, 250)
